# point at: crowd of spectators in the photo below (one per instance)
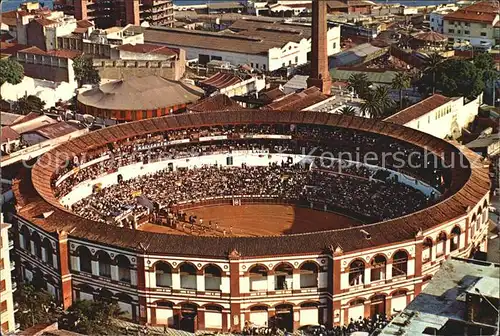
(335, 140)
(293, 183)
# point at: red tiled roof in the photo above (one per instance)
(56, 130)
(26, 118)
(219, 102)
(84, 24)
(419, 109)
(147, 48)
(220, 80)
(44, 21)
(484, 11)
(8, 18)
(298, 101)
(63, 53)
(271, 95)
(8, 134)
(10, 48)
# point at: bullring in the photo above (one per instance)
(222, 282)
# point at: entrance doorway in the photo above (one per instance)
(377, 306)
(284, 317)
(188, 317)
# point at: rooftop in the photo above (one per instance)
(354, 55)
(419, 109)
(221, 80)
(484, 141)
(140, 93)
(298, 101)
(243, 36)
(56, 130)
(485, 11)
(8, 119)
(8, 134)
(147, 48)
(443, 299)
(219, 102)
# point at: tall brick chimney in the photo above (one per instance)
(81, 9)
(132, 12)
(320, 76)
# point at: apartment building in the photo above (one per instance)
(474, 24)
(7, 287)
(105, 13)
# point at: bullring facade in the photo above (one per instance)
(221, 283)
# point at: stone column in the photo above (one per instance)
(270, 281)
(296, 317)
(296, 279)
(200, 281)
(142, 269)
(95, 267)
(388, 270)
(176, 279)
(201, 318)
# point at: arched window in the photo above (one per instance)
(188, 276)
(309, 275)
(37, 244)
(473, 226)
(85, 259)
(479, 220)
(283, 276)
(427, 250)
(212, 278)
(24, 238)
(356, 273)
(258, 278)
(105, 295)
(48, 253)
(399, 264)
(163, 273)
(378, 265)
(104, 264)
(441, 244)
(123, 268)
(455, 238)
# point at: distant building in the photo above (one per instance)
(105, 13)
(461, 299)
(7, 287)
(232, 85)
(486, 145)
(436, 18)
(477, 24)
(33, 135)
(439, 116)
(261, 45)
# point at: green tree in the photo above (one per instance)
(91, 318)
(400, 82)
(27, 104)
(348, 111)
(377, 103)
(11, 71)
(85, 72)
(35, 306)
(432, 66)
(360, 84)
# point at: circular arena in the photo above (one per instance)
(224, 220)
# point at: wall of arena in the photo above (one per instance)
(326, 291)
(217, 283)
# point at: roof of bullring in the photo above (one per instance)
(35, 196)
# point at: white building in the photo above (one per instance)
(436, 17)
(262, 45)
(438, 115)
(7, 307)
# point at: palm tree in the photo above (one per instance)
(371, 106)
(401, 81)
(377, 103)
(384, 98)
(348, 111)
(359, 83)
(431, 65)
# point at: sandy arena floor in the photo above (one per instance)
(257, 220)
